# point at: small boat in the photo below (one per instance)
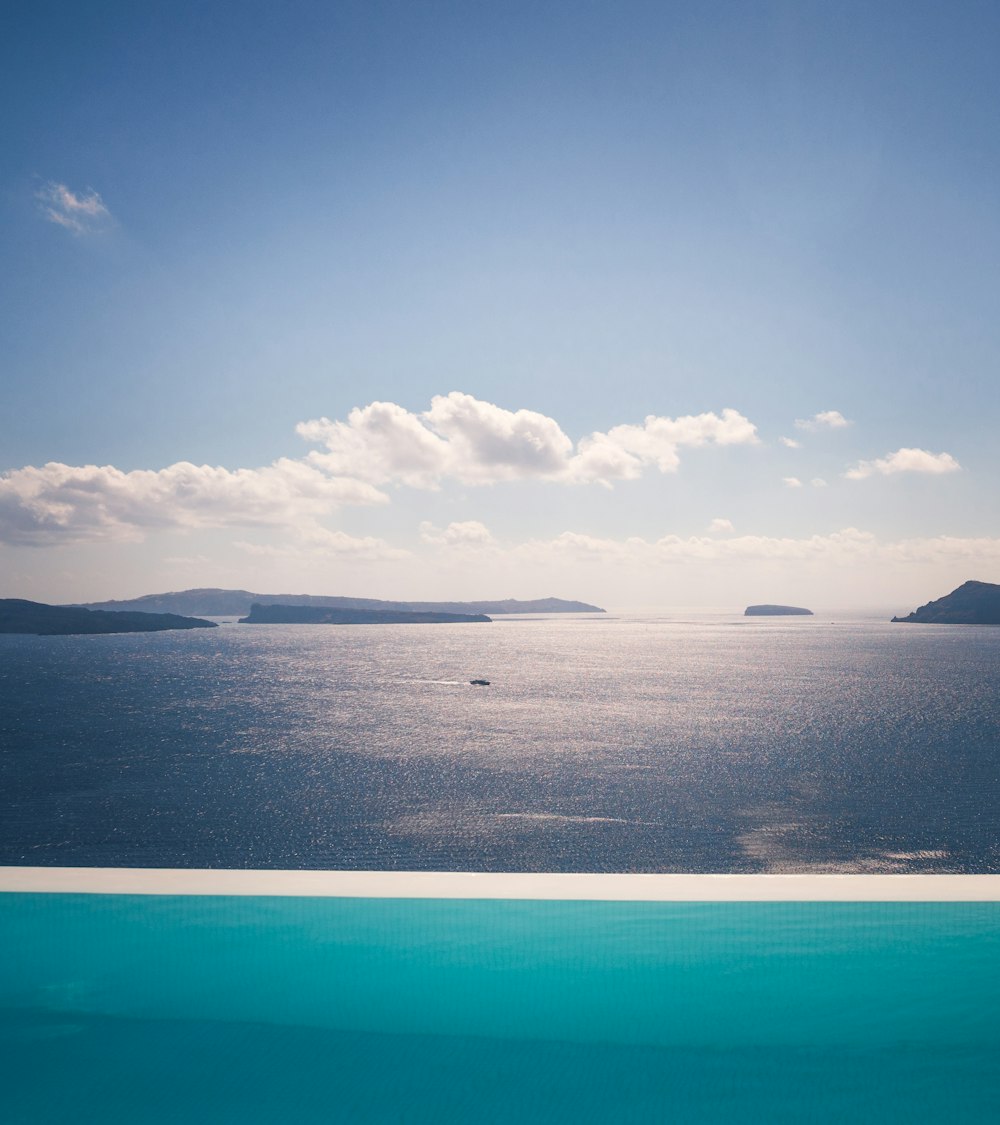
(480, 683)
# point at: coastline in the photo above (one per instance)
(502, 885)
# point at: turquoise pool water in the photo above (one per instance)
(121, 1008)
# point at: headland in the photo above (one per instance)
(20, 616)
(972, 603)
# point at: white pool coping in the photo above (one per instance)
(443, 884)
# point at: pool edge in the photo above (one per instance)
(502, 885)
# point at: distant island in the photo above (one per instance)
(973, 603)
(320, 615)
(230, 603)
(20, 616)
(776, 611)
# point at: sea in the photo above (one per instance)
(694, 743)
(603, 743)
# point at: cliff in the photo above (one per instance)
(20, 616)
(973, 603)
(320, 615)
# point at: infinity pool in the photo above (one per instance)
(283, 1008)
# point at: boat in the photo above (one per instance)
(480, 683)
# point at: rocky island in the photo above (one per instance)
(322, 615)
(776, 611)
(973, 603)
(20, 616)
(225, 603)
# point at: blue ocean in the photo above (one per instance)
(617, 744)
(698, 743)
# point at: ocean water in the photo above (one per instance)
(122, 1009)
(617, 744)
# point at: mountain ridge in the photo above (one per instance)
(217, 602)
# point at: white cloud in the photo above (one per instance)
(818, 482)
(460, 438)
(320, 542)
(792, 482)
(825, 420)
(81, 214)
(574, 544)
(847, 544)
(477, 442)
(487, 443)
(658, 439)
(721, 525)
(65, 503)
(790, 442)
(905, 461)
(464, 533)
(378, 443)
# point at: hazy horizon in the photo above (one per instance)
(819, 610)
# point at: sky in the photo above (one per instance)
(646, 304)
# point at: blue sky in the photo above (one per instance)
(219, 222)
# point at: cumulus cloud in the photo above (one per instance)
(818, 482)
(792, 482)
(487, 443)
(721, 526)
(463, 534)
(65, 503)
(378, 443)
(825, 420)
(905, 461)
(790, 442)
(80, 214)
(657, 440)
(459, 438)
(477, 442)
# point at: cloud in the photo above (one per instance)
(849, 544)
(460, 438)
(64, 503)
(792, 482)
(720, 525)
(379, 443)
(825, 420)
(657, 440)
(487, 443)
(790, 442)
(905, 461)
(81, 214)
(818, 482)
(320, 542)
(464, 534)
(476, 442)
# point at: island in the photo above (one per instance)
(973, 603)
(776, 611)
(20, 616)
(228, 603)
(321, 615)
